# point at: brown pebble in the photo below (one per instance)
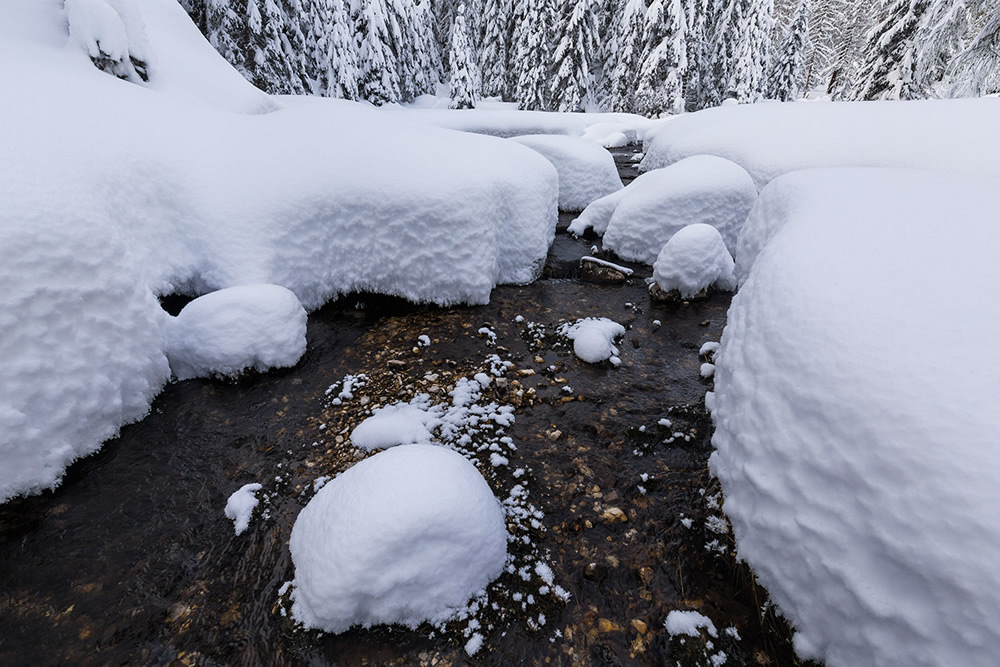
(607, 625)
(614, 515)
(640, 626)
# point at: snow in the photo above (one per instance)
(104, 206)
(855, 413)
(689, 623)
(586, 171)
(240, 506)
(593, 339)
(502, 119)
(640, 219)
(771, 139)
(405, 536)
(397, 424)
(229, 331)
(694, 259)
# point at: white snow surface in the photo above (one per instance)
(689, 623)
(594, 339)
(770, 139)
(856, 417)
(641, 218)
(396, 424)
(694, 259)
(405, 536)
(587, 172)
(229, 331)
(240, 506)
(112, 191)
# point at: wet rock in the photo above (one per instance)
(607, 625)
(640, 626)
(599, 271)
(646, 575)
(595, 571)
(673, 296)
(614, 515)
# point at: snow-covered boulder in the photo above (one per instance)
(771, 139)
(405, 536)
(586, 171)
(639, 220)
(694, 259)
(396, 424)
(594, 339)
(227, 332)
(856, 414)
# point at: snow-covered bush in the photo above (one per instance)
(640, 219)
(694, 259)
(227, 332)
(405, 536)
(773, 139)
(856, 414)
(586, 171)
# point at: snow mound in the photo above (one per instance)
(405, 536)
(772, 139)
(240, 506)
(856, 414)
(639, 220)
(227, 332)
(594, 339)
(694, 259)
(396, 424)
(586, 171)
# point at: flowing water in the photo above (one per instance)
(131, 559)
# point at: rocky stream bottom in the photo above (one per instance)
(132, 561)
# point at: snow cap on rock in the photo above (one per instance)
(405, 536)
(586, 171)
(694, 259)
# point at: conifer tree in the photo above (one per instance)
(888, 69)
(698, 50)
(572, 86)
(976, 70)
(664, 60)
(630, 29)
(531, 55)
(228, 32)
(494, 53)
(754, 23)
(334, 57)
(464, 93)
(378, 79)
(785, 82)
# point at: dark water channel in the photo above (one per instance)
(132, 561)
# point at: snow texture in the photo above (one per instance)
(640, 219)
(771, 139)
(405, 536)
(586, 171)
(240, 506)
(594, 339)
(694, 259)
(689, 624)
(104, 207)
(396, 424)
(856, 418)
(229, 331)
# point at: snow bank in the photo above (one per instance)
(405, 536)
(502, 119)
(240, 506)
(771, 139)
(594, 339)
(694, 259)
(641, 219)
(586, 171)
(856, 414)
(227, 332)
(133, 190)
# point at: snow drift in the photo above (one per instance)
(856, 413)
(586, 171)
(770, 139)
(181, 185)
(405, 536)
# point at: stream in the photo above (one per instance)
(132, 561)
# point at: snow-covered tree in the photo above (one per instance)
(659, 88)
(630, 30)
(333, 56)
(267, 64)
(754, 23)
(530, 52)
(888, 69)
(976, 70)
(785, 82)
(494, 52)
(378, 78)
(464, 92)
(572, 86)
(698, 54)
(228, 32)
